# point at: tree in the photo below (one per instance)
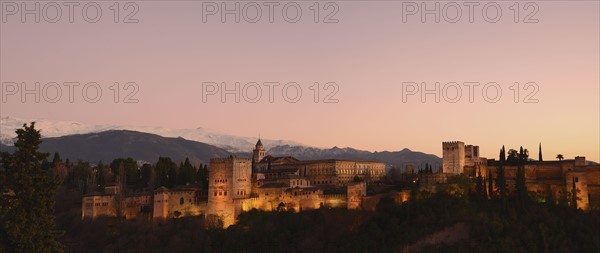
(501, 179)
(163, 167)
(513, 155)
(462, 186)
(131, 171)
(574, 195)
(485, 194)
(81, 176)
(186, 173)
(520, 186)
(27, 197)
(560, 157)
(146, 174)
(172, 175)
(46, 166)
(60, 170)
(490, 185)
(100, 178)
(428, 168)
(56, 158)
(479, 188)
(202, 176)
(540, 153)
(523, 154)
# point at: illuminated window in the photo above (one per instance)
(181, 201)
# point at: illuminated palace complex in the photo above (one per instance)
(268, 183)
(241, 184)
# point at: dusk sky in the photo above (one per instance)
(369, 53)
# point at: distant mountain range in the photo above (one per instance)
(56, 128)
(105, 143)
(392, 158)
(108, 145)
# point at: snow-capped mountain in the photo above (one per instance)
(396, 159)
(55, 128)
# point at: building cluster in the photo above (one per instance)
(544, 178)
(268, 183)
(237, 185)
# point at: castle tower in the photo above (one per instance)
(161, 203)
(471, 155)
(229, 179)
(259, 152)
(453, 159)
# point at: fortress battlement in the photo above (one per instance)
(222, 160)
(452, 143)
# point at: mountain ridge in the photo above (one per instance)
(108, 145)
(57, 128)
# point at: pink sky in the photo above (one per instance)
(369, 53)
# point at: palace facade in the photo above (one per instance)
(237, 185)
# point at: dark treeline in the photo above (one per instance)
(85, 177)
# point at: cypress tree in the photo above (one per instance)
(574, 195)
(491, 193)
(540, 153)
(27, 197)
(172, 176)
(186, 172)
(501, 180)
(163, 167)
(485, 194)
(521, 187)
(181, 174)
(479, 186)
(56, 158)
(146, 175)
(101, 182)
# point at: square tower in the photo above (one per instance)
(453, 159)
(471, 155)
(228, 179)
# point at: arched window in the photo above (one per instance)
(181, 201)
